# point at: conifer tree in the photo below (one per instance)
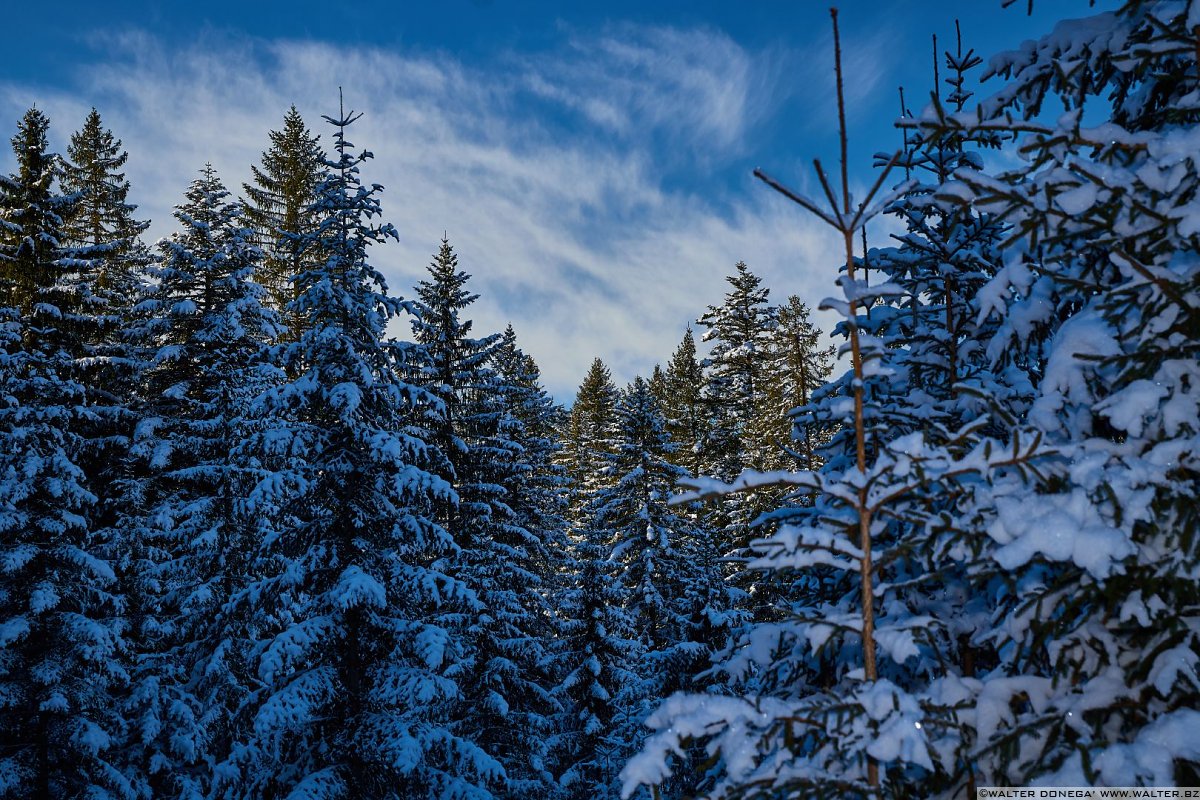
(107, 276)
(658, 384)
(205, 326)
(101, 216)
(684, 405)
(862, 665)
(106, 279)
(357, 675)
(644, 529)
(505, 706)
(279, 207)
(538, 493)
(590, 433)
(597, 652)
(796, 366)
(657, 548)
(740, 330)
(1096, 623)
(33, 219)
(62, 648)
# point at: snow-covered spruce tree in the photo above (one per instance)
(279, 207)
(712, 602)
(649, 539)
(353, 699)
(538, 492)
(505, 706)
(203, 325)
(107, 255)
(1098, 628)
(595, 650)
(740, 329)
(105, 277)
(33, 211)
(532, 420)
(665, 566)
(61, 641)
(854, 690)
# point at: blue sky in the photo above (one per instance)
(590, 161)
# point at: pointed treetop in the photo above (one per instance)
(30, 146)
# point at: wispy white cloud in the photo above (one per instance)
(579, 241)
(695, 88)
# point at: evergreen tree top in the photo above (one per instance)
(342, 291)
(94, 144)
(642, 426)
(31, 220)
(101, 217)
(290, 169)
(513, 364)
(204, 202)
(443, 295)
(597, 394)
(683, 365)
(745, 316)
(35, 164)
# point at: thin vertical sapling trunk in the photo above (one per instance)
(846, 220)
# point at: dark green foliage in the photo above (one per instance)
(280, 208)
(796, 365)
(31, 237)
(740, 329)
(684, 405)
(589, 436)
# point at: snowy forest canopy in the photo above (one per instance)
(253, 546)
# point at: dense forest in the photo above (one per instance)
(255, 544)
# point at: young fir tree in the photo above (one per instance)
(280, 207)
(1096, 618)
(62, 649)
(505, 706)
(858, 688)
(205, 326)
(355, 672)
